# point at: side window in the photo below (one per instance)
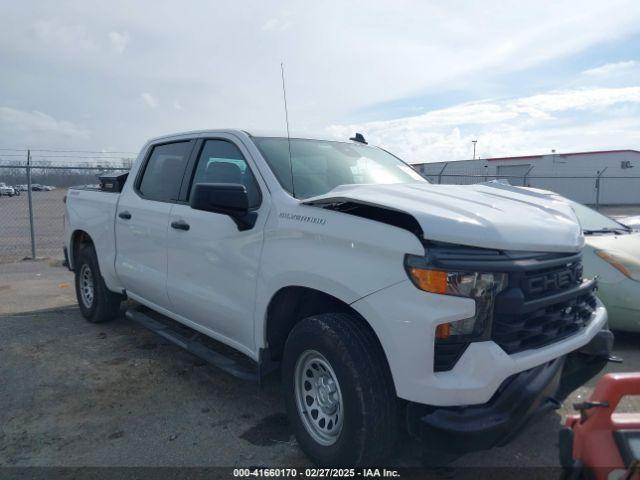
(164, 171)
(222, 162)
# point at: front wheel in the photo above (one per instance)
(338, 391)
(97, 303)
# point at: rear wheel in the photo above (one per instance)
(338, 391)
(97, 303)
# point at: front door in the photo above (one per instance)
(142, 221)
(212, 266)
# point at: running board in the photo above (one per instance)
(194, 342)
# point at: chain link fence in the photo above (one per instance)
(32, 196)
(595, 187)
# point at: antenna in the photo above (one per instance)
(286, 117)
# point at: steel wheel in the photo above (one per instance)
(318, 397)
(86, 286)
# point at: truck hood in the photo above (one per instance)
(483, 215)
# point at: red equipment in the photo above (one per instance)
(598, 443)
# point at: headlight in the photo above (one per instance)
(627, 264)
(480, 286)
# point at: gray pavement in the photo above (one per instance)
(77, 394)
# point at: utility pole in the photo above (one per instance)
(441, 172)
(33, 237)
(599, 173)
(474, 148)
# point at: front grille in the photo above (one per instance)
(543, 306)
(547, 281)
(546, 299)
(517, 332)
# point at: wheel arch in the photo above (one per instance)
(293, 303)
(78, 238)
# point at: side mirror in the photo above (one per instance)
(225, 198)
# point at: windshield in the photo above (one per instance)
(319, 165)
(594, 222)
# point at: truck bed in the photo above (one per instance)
(93, 211)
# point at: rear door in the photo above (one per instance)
(142, 221)
(212, 266)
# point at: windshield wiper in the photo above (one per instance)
(622, 229)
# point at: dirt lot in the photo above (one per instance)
(78, 394)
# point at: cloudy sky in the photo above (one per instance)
(421, 78)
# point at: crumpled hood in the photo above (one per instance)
(483, 215)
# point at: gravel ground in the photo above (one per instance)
(77, 394)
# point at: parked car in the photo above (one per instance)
(36, 187)
(6, 190)
(373, 291)
(611, 253)
(48, 188)
(632, 222)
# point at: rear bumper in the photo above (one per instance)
(520, 398)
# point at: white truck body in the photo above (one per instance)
(221, 281)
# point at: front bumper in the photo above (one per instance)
(405, 318)
(520, 398)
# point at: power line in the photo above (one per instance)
(78, 156)
(84, 151)
(102, 152)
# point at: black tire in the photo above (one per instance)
(370, 423)
(105, 304)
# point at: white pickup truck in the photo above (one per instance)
(457, 312)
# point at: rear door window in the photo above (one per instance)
(164, 170)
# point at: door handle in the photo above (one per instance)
(124, 215)
(180, 225)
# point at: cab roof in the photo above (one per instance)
(252, 133)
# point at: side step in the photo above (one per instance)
(196, 343)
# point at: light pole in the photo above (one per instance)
(474, 148)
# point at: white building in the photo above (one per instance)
(573, 175)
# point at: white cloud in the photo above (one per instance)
(565, 120)
(341, 58)
(588, 98)
(119, 41)
(32, 126)
(609, 69)
(149, 100)
(57, 35)
(277, 24)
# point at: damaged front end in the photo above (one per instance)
(520, 398)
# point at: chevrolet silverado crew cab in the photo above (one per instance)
(456, 312)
